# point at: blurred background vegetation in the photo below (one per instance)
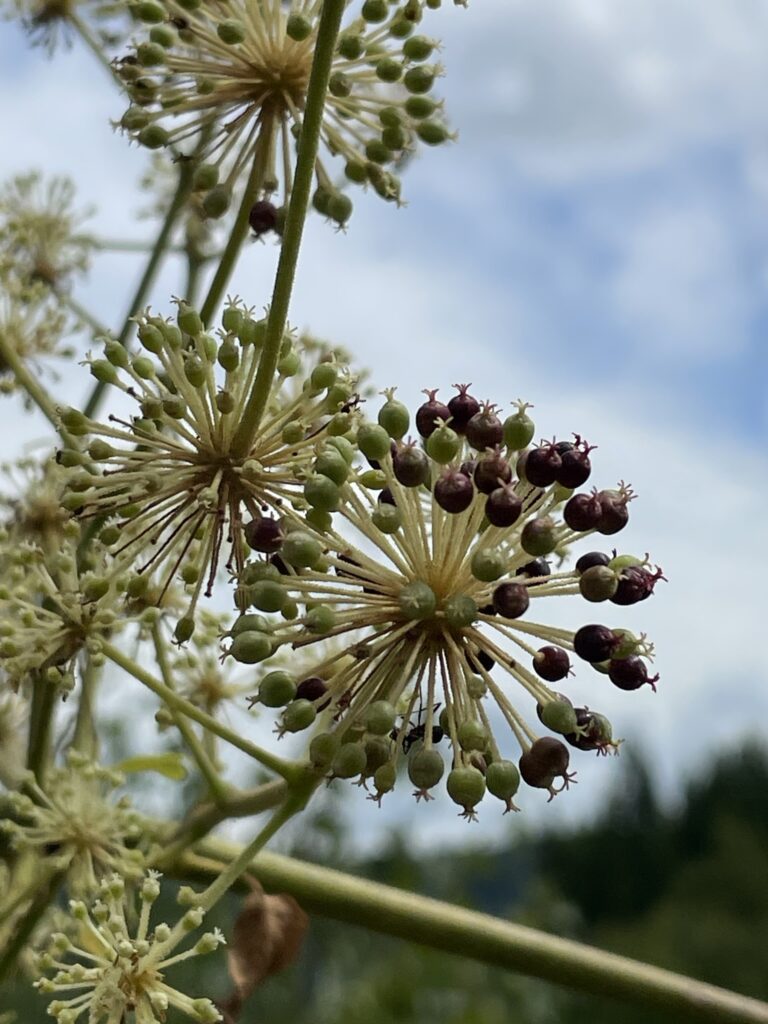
(685, 888)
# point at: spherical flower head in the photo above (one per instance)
(32, 501)
(177, 495)
(77, 819)
(240, 72)
(52, 23)
(41, 232)
(439, 560)
(54, 605)
(32, 324)
(203, 679)
(116, 966)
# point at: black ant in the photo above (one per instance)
(418, 731)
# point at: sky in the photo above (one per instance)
(596, 242)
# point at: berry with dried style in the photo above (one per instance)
(542, 465)
(551, 663)
(630, 673)
(462, 408)
(430, 414)
(454, 492)
(595, 643)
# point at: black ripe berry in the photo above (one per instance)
(454, 491)
(511, 600)
(485, 429)
(468, 468)
(491, 472)
(595, 643)
(591, 559)
(311, 689)
(386, 497)
(430, 411)
(537, 567)
(264, 534)
(546, 760)
(542, 465)
(503, 506)
(614, 512)
(595, 731)
(410, 466)
(263, 217)
(575, 467)
(583, 512)
(462, 408)
(479, 658)
(630, 673)
(551, 663)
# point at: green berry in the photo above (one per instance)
(419, 107)
(417, 600)
(349, 761)
(539, 536)
(384, 779)
(433, 133)
(419, 80)
(150, 55)
(293, 432)
(340, 208)
(319, 520)
(323, 376)
(339, 85)
(301, 550)
(350, 45)
(375, 10)
(148, 11)
(143, 367)
(394, 139)
(460, 610)
(250, 647)
(322, 749)
(472, 735)
(321, 619)
(74, 421)
(476, 687)
(104, 371)
(299, 715)
(425, 768)
(344, 448)
(598, 583)
(289, 365)
(373, 479)
(322, 493)
(189, 320)
(267, 595)
(488, 564)
(387, 69)
(394, 417)
(231, 31)
(378, 751)
(356, 172)
(277, 689)
(153, 136)
(466, 787)
(380, 718)
(443, 444)
(163, 35)
(418, 48)
(298, 27)
(378, 152)
(559, 716)
(387, 518)
(332, 464)
(518, 431)
(373, 441)
(503, 780)
(185, 627)
(100, 450)
(217, 201)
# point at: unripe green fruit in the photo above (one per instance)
(373, 441)
(104, 371)
(299, 715)
(394, 139)
(443, 444)
(292, 433)
(289, 365)
(189, 320)
(150, 55)
(151, 338)
(340, 208)
(116, 354)
(339, 85)
(185, 627)
(319, 520)
(466, 787)
(277, 689)
(100, 450)
(95, 588)
(298, 27)
(143, 367)
(74, 422)
(163, 35)
(620, 562)
(384, 779)
(194, 371)
(349, 761)
(375, 10)
(267, 595)
(559, 716)
(225, 402)
(153, 136)
(476, 687)
(343, 447)
(389, 70)
(350, 45)
(249, 623)
(378, 152)
(216, 202)
(378, 751)
(472, 735)
(628, 645)
(419, 107)
(598, 583)
(518, 431)
(250, 647)
(373, 479)
(502, 779)
(339, 424)
(332, 464)
(322, 749)
(488, 564)
(320, 619)
(433, 133)
(418, 48)
(539, 536)
(231, 31)
(323, 376)
(148, 11)
(417, 600)
(110, 535)
(301, 550)
(387, 518)
(228, 355)
(356, 172)
(206, 177)
(460, 610)
(322, 493)
(394, 418)
(380, 718)
(134, 119)
(419, 80)
(425, 768)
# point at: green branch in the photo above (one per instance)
(490, 940)
(309, 141)
(30, 382)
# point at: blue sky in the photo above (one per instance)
(596, 242)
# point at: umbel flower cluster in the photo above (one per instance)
(440, 563)
(235, 74)
(167, 481)
(114, 968)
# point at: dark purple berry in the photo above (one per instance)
(511, 600)
(630, 673)
(542, 465)
(537, 567)
(614, 512)
(596, 735)
(595, 643)
(264, 534)
(575, 468)
(477, 657)
(551, 663)
(591, 559)
(468, 468)
(462, 408)
(430, 411)
(410, 466)
(634, 585)
(386, 497)
(583, 512)
(503, 507)
(454, 491)
(547, 759)
(491, 472)
(561, 447)
(374, 463)
(281, 565)
(539, 536)
(485, 429)
(263, 217)
(311, 689)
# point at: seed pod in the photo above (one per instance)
(250, 647)
(539, 536)
(614, 512)
(558, 715)
(518, 430)
(454, 491)
(443, 444)
(378, 751)
(277, 689)
(349, 761)
(301, 550)
(472, 735)
(332, 464)
(488, 564)
(380, 718)
(373, 441)
(551, 663)
(321, 619)
(387, 518)
(322, 749)
(595, 732)
(298, 715)
(429, 412)
(460, 610)
(394, 418)
(262, 217)
(322, 493)
(634, 584)
(484, 429)
(575, 468)
(267, 595)
(462, 408)
(417, 600)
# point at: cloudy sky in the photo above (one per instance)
(596, 242)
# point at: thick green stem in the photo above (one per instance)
(148, 277)
(405, 915)
(31, 384)
(287, 769)
(309, 141)
(216, 786)
(44, 698)
(93, 45)
(84, 738)
(235, 242)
